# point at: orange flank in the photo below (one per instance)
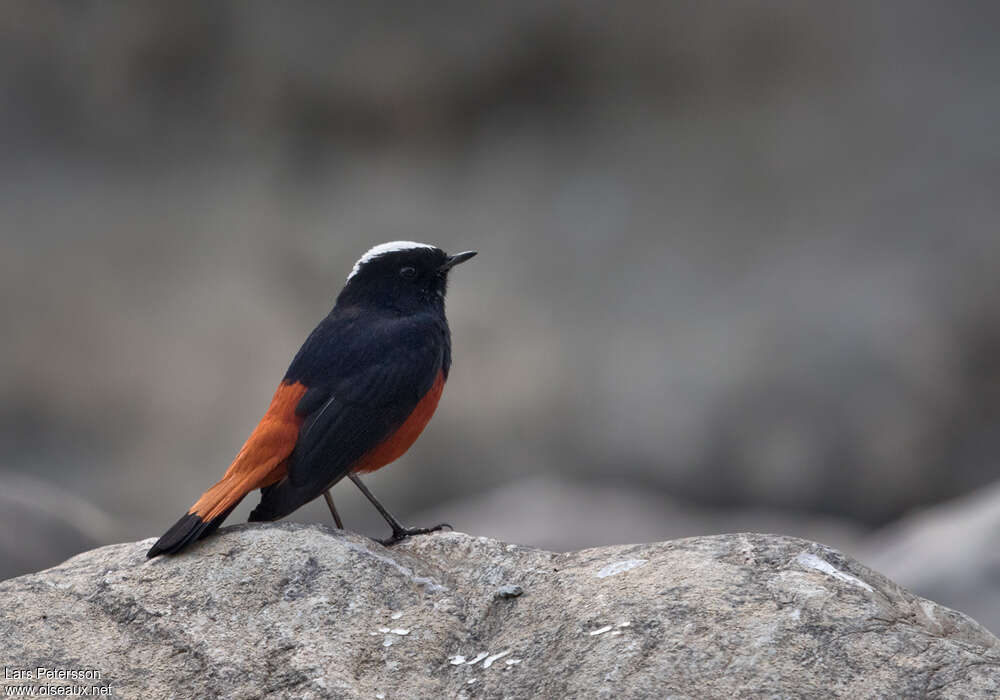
(393, 447)
(262, 461)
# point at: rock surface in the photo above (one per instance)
(948, 552)
(295, 611)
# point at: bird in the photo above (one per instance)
(355, 397)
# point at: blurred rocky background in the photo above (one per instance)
(738, 263)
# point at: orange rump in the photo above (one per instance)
(262, 460)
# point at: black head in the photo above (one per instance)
(402, 276)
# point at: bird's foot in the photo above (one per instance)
(404, 532)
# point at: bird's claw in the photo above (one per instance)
(403, 533)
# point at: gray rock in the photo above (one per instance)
(948, 552)
(295, 611)
(509, 591)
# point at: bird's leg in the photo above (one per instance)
(398, 531)
(333, 509)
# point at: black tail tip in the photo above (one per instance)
(184, 532)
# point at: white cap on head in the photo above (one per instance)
(382, 249)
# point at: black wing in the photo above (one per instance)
(348, 416)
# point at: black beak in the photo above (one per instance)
(457, 259)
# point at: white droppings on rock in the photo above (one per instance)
(513, 662)
(445, 605)
(387, 642)
(401, 631)
(396, 616)
(380, 696)
(811, 561)
(928, 608)
(471, 681)
(619, 567)
(384, 630)
(602, 630)
(479, 657)
(624, 623)
(456, 660)
(490, 659)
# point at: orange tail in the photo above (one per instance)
(260, 463)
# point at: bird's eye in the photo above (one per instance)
(408, 272)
